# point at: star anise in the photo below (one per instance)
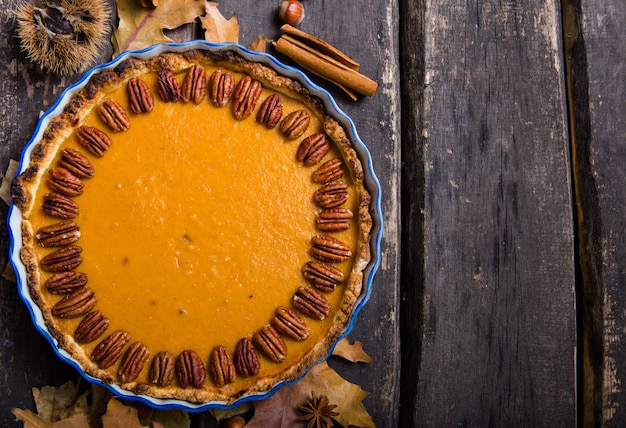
(317, 412)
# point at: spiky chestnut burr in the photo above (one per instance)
(63, 36)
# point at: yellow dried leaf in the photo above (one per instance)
(351, 352)
(347, 396)
(139, 27)
(217, 28)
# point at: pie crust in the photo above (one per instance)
(194, 154)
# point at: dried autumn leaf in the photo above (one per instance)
(54, 404)
(9, 273)
(173, 418)
(100, 396)
(259, 44)
(223, 414)
(139, 27)
(31, 420)
(120, 416)
(280, 408)
(5, 188)
(217, 28)
(351, 352)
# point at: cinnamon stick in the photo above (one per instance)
(319, 59)
(321, 46)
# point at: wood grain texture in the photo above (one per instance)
(595, 45)
(26, 359)
(496, 291)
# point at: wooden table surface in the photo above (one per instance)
(498, 132)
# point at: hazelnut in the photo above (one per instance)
(291, 12)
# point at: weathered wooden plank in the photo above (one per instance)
(595, 34)
(494, 281)
(26, 359)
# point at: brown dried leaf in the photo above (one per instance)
(173, 418)
(217, 28)
(120, 416)
(139, 27)
(280, 408)
(351, 352)
(100, 396)
(31, 420)
(9, 273)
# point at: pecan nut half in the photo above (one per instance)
(245, 97)
(312, 149)
(114, 115)
(132, 362)
(330, 170)
(91, 327)
(323, 276)
(139, 95)
(168, 87)
(329, 249)
(333, 219)
(162, 369)
(75, 304)
(107, 352)
(245, 358)
(221, 366)
(221, 86)
(94, 140)
(57, 205)
(65, 282)
(58, 234)
(295, 124)
(190, 369)
(194, 85)
(288, 323)
(268, 341)
(63, 259)
(311, 303)
(331, 195)
(270, 111)
(64, 182)
(76, 163)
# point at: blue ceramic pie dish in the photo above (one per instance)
(371, 183)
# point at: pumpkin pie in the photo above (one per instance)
(195, 226)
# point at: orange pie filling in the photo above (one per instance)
(190, 258)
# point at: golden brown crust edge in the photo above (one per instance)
(81, 104)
